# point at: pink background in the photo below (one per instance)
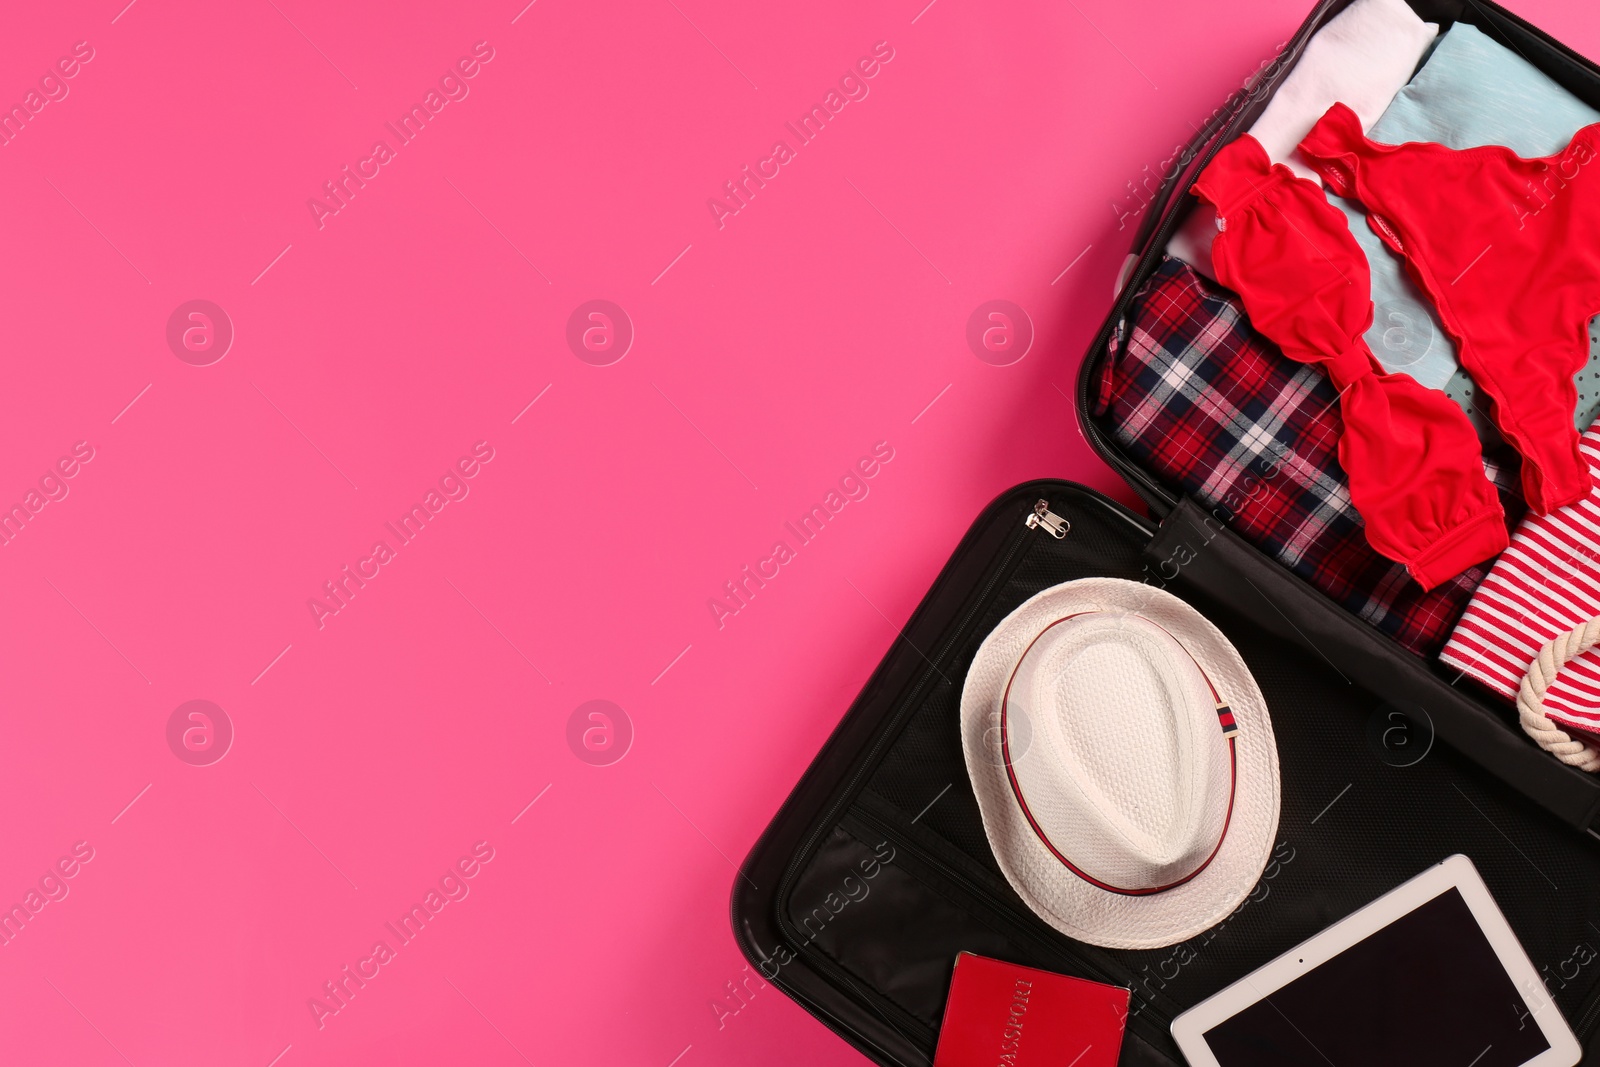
(991, 159)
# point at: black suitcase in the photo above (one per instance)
(876, 871)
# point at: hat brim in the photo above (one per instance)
(1069, 903)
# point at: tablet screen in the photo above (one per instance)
(1426, 989)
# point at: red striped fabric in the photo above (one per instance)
(1546, 583)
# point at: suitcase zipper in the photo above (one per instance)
(1584, 1027)
(1043, 517)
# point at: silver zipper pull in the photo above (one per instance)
(1043, 517)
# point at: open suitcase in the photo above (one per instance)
(876, 872)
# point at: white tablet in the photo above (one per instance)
(1428, 974)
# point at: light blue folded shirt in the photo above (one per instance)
(1469, 92)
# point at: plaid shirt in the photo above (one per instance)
(1205, 403)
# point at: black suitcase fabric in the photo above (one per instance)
(876, 872)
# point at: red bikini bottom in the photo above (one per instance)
(1509, 251)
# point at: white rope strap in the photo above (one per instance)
(1556, 654)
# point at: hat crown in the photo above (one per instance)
(1128, 770)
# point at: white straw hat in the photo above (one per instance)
(1124, 763)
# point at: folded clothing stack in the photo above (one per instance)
(1201, 400)
(1470, 91)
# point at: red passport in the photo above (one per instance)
(1003, 1015)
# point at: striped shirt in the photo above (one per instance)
(1545, 584)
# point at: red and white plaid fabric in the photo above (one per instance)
(1545, 584)
(1211, 407)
